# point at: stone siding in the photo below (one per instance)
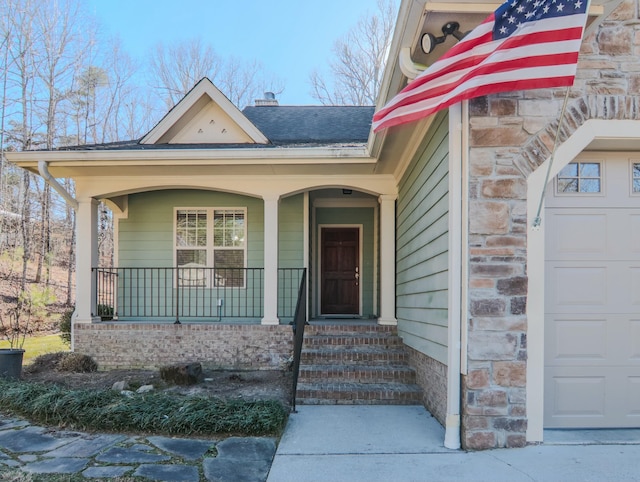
(431, 375)
(152, 345)
(511, 135)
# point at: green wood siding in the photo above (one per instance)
(291, 232)
(146, 236)
(351, 216)
(422, 246)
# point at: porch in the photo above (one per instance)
(191, 294)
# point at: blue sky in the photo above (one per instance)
(289, 37)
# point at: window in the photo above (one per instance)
(211, 238)
(580, 177)
(635, 177)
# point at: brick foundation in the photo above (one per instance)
(151, 345)
(431, 375)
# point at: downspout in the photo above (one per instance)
(43, 169)
(456, 281)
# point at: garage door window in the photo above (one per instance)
(580, 177)
(636, 177)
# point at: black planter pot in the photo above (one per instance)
(11, 363)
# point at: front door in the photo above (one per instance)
(340, 271)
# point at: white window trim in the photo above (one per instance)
(210, 248)
(601, 193)
(631, 163)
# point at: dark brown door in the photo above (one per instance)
(339, 271)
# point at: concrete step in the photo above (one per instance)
(357, 373)
(358, 394)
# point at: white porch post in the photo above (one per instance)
(271, 203)
(86, 258)
(387, 260)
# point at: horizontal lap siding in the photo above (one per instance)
(291, 232)
(422, 243)
(146, 236)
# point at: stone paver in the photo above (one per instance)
(87, 446)
(57, 466)
(230, 470)
(188, 449)
(121, 455)
(107, 471)
(37, 450)
(169, 473)
(30, 439)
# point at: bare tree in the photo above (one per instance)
(360, 57)
(178, 68)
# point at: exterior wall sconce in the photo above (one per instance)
(428, 42)
(347, 191)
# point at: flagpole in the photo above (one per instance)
(538, 220)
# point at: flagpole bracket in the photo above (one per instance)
(408, 67)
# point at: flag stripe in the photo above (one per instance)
(523, 45)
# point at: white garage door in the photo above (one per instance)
(592, 294)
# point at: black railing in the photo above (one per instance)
(299, 321)
(189, 293)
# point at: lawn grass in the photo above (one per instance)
(35, 346)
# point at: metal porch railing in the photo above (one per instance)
(191, 293)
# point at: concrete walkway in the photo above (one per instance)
(404, 444)
(41, 451)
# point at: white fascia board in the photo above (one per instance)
(337, 155)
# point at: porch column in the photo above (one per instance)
(271, 203)
(387, 260)
(86, 258)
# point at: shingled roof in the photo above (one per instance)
(311, 123)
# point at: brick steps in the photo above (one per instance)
(355, 364)
(358, 394)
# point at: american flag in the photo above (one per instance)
(524, 44)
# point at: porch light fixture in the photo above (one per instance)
(347, 191)
(428, 42)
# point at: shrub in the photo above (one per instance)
(155, 412)
(65, 326)
(77, 363)
(64, 362)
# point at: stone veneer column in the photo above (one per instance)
(494, 389)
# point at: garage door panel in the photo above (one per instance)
(592, 304)
(576, 340)
(593, 234)
(575, 396)
(578, 233)
(592, 287)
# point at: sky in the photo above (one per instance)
(290, 38)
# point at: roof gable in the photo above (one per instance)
(205, 116)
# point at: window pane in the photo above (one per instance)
(567, 185)
(229, 267)
(570, 170)
(590, 185)
(591, 169)
(228, 228)
(636, 170)
(191, 257)
(191, 228)
(636, 185)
